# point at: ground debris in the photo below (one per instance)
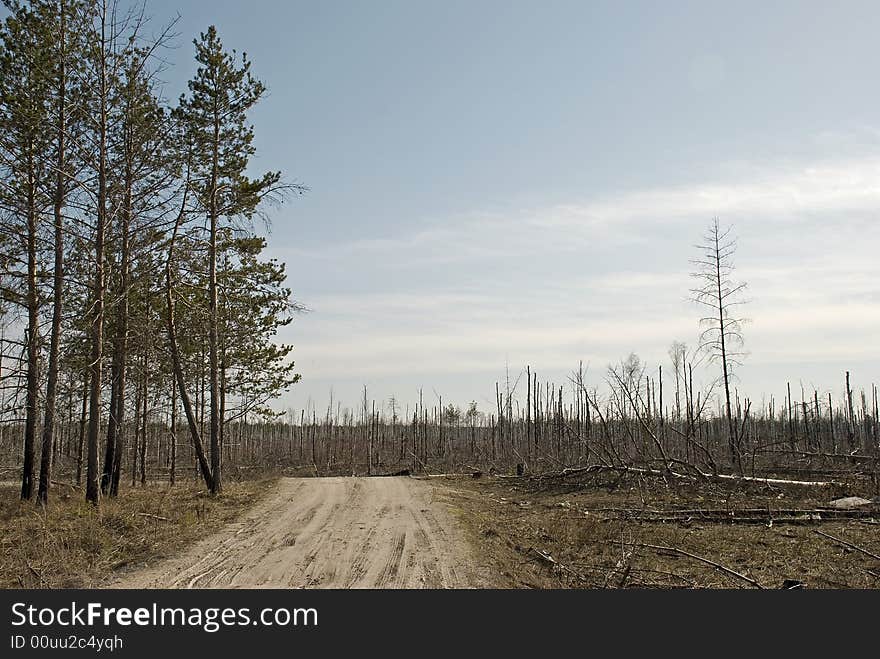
(792, 584)
(685, 536)
(849, 503)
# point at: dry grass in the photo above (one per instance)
(72, 544)
(588, 534)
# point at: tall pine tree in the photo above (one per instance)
(214, 118)
(25, 102)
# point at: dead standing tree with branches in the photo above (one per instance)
(721, 337)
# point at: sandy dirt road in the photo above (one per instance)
(329, 533)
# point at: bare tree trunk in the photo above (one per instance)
(144, 410)
(850, 415)
(112, 426)
(528, 409)
(173, 465)
(133, 453)
(82, 428)
(734, 453)
(222, 413)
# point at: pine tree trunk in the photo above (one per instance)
(82, 427)
(33, 353)
(173, 465)
(97, 329)
(115, 437)
(144, 410)
(58, 278)
(177, 367)
(213, 359)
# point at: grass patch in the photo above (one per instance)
(73, 544)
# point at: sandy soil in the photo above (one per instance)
(329, 533)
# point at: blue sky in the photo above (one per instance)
(523, 182)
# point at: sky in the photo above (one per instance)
(495, 184)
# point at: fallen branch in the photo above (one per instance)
(847, 544)
(717, 566)
(547, 558)
(163, 519)
(35, 572)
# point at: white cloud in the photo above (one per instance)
(596, 279)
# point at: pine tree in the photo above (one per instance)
(214, 117)
(143, 158)
(254, 305)
(61, 19)
(103, 65)
(25, 101)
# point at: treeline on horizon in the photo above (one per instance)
(635, 419)
(631, 422)
(132, 273)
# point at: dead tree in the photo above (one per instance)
(721, 337)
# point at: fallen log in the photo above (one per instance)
(703, 476)
(763, 521)
(722, 513)
(773, 481)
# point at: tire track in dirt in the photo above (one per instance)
(393, 565)
(329, 533)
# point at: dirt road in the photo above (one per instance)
(329, 533)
